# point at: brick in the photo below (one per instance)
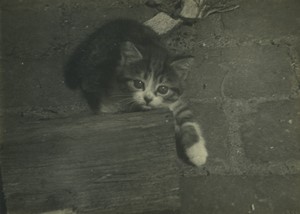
(263, 19)
(272, 133)
(240, 194)
(215, 127)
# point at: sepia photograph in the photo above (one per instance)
(150, 107)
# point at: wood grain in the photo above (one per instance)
(122, 163)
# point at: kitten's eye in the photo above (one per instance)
(162, 89)
(138, 84)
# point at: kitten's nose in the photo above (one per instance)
(147, 99)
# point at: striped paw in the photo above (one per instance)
(194, 143)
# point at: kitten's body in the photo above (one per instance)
(123, 67)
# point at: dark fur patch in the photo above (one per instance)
(188, 136)
(184, 116)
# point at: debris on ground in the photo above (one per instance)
(173, 13)
(162, 23)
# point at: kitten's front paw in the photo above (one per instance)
(197, 153)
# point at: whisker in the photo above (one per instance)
(132, 106)
(128, 101)
(119, 95)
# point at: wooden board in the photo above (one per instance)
(122, 163)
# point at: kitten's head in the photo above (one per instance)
(151, 77)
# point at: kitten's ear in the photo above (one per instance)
(129, 53)
(182, 66)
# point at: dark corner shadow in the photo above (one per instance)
(2, 198)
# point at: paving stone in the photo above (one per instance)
(36, 83)
(296, 60)
(240, 194)
(258, 71)
(269, 20)
(41, 29)
(190, 38)
(207, 74)
(272, 133)
(215, 127)
(33, 29)
(241, 72)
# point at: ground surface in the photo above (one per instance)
(244, 90)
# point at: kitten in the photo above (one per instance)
(123, 67)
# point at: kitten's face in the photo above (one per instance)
(151, 90)
(153, 81)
